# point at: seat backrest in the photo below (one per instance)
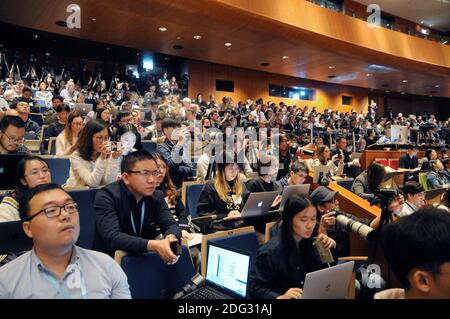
(149, 146)
(38, 118)
(149, 277)
(13, 238)
(393, 163)
(33, 145)
(423, 180)
(267, 232)
(184, 189)
(41, 103)
(193, 193)
(85, 199)
(347, 184)
(52, 146)
(60, 168)
(382, 161)
(43, 128)
(220, 234)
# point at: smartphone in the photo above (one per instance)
(324, 253)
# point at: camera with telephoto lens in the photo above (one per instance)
(362, 230)
(387, 194)
(296, 147)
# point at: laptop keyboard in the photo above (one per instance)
(204, 293)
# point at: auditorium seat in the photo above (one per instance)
(150, 277)
(193, 192)
(52, 146)
(60, 169)
(13, 238)
(38, 118)
(393, 163)
(382, 161)
(149, 146)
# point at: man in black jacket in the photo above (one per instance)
(409, 160)
(172, 151)
(352, 167)
(128, 212)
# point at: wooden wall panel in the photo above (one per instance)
(255, 84)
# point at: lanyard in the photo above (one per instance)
(142, 221)
(61, 290)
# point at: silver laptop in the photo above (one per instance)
(328, 283)
(258, 204)
(83, 109)
(290, 190)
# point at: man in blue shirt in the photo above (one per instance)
(55, 267)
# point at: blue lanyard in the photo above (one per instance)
(142, 221)
(61, 290)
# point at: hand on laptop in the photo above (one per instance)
(326, 241)
(292, 293)
(233, 214)
(185, 235)
(162, 248)
(276, 201)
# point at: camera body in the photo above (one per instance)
(387, 194)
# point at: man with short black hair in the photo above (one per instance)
(409, 160)
(56, 268)
(417, 249)
(23, 109)
(351, 167)
(414, 195)
(172, 150)
(50, 115)
(128, 212)
(12, 133)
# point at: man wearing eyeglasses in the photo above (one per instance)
(128, 212)
(12, 132)
(56, 268)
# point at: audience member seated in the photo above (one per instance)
(223, 196)
(326, 164)
(351, 167)
(92, 161)
(430, 155)
(125, 134)
(69, 94)
(172, 150)
(125, 117)
(12, 133)
(27, 97)
(105, 116)
(43, 94)
(419, 259)
(31, 171)
(56, 127)
(69, 136)
(96, 108)
(128, 212)
(283, 262)
(298, 173)
(56, 268)
(172, 197)
(434, 179)
(30, 126)
(369, 181)
(445, 173)
(414, 198)
(50, 115)
(409, 160)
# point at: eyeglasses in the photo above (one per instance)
(102, 138)
(37, 172)
(146, 173)
(18, 140)
(55, 211)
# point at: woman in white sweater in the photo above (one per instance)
(69, 136)
(326, 164)
(92, 161)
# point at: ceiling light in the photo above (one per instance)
(445, 42)
(94, 19)
(197, 37)
(265, 64)
(437, 86)
(405, 81)
(228, 44)
(369, 74)
(36, 36)
(403, 92)
(162, 29)
(388, 91)
(331, 67)
(422, 22)
(285, 57)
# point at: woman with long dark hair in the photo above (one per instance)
(69, 136)
(172, 196)
(369, 181)
(93, 161)
(31, 172)
(283, 262)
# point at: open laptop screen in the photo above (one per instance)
(227, 269)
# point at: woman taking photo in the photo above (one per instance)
(369, 181)
(93, 161)
(31, 172)
(326, 164)
(283, 262)
(69, 136)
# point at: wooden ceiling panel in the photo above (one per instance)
(255, 39)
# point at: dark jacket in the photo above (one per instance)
(407, 162)
(114, 231)
(179, 170)
(352, 171)
(277, 269)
